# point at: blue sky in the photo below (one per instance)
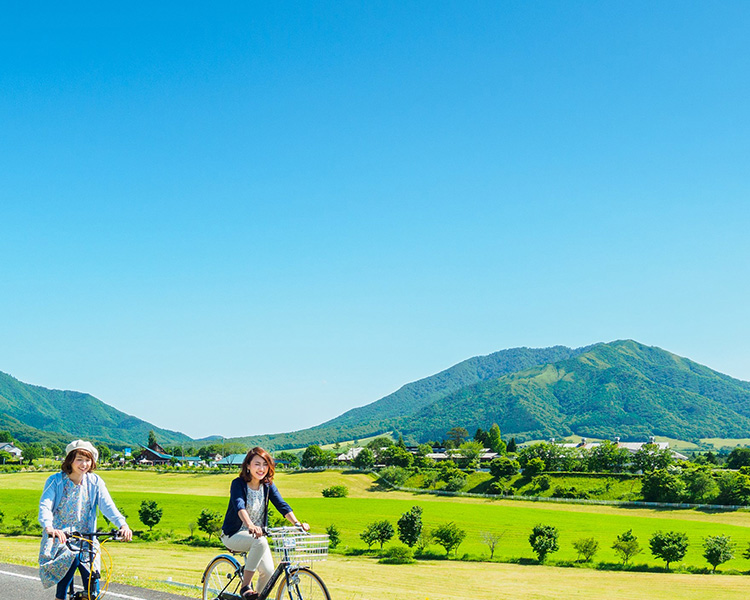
(250, 218)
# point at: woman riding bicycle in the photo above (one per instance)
(247, 517)
(69, 503)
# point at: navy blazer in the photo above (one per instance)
(238, 501)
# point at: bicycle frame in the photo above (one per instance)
(85, 546)
(283, 568)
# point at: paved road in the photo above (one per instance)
(23, 582)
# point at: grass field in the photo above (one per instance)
(183, 496)
(718, 443)
(364, 579)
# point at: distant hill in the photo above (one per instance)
(393, 410)
(620, 389)
(36, 414)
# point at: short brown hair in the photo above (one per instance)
(67, 463)
(245, 468)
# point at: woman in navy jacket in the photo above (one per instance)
(247, 517)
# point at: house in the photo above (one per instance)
(631, 447)
(11, 449)
(157, 456)
(348, 456)
(233, 460)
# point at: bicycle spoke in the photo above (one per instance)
(222, 581)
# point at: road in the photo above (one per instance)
(23, 582)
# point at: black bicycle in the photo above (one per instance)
(83, 543)
(222, 578)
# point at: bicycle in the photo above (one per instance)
(83, 543)
(222, 578)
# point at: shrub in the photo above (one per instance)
(378, 531)
(534, 467)
(398, 555)
(149, 513)
(210, 522)
(456, 482)
(334, 535)
(543, 540)
(662, 486)
(336, 491)
(394, 475)
(542, 482)
(410, 526)
(429, 478)
(670, 546)
(586, 548)
(449, 536)
(364, 460)
(626, 546)
(497, 489)
(717, 549)
(26, 521)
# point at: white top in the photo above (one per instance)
(255, 505)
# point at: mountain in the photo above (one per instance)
(391, 411)
(621, 388)
(36, 414)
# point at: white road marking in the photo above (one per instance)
(115, 594)
(18, 575)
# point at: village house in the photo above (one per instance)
(11, 449)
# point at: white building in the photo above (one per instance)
(15, 452)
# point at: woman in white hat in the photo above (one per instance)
(69, 502)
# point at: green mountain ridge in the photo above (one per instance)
(621, 388)
(33, 414)
(388, 412)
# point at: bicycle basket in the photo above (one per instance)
(289, 543)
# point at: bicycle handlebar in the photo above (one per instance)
(88, 536)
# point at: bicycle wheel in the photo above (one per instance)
(302, 584)
(222, 579)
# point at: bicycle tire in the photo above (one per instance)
(222, 579)
(302, 584)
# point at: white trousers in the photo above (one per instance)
(258, 557)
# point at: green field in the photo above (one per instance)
(183, 496)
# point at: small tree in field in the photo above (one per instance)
(149, 513)
(717, 549)
(410, 526)
(586, 548)
(209, 522)
(670, 546)
(626, 546)
(334, 535)
(378, 531)
(449, 536)
(491, 539)
(543, 540)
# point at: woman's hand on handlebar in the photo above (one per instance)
(125, 534)
(57, 533)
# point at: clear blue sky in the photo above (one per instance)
(247, 218)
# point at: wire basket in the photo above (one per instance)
(289, 543)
